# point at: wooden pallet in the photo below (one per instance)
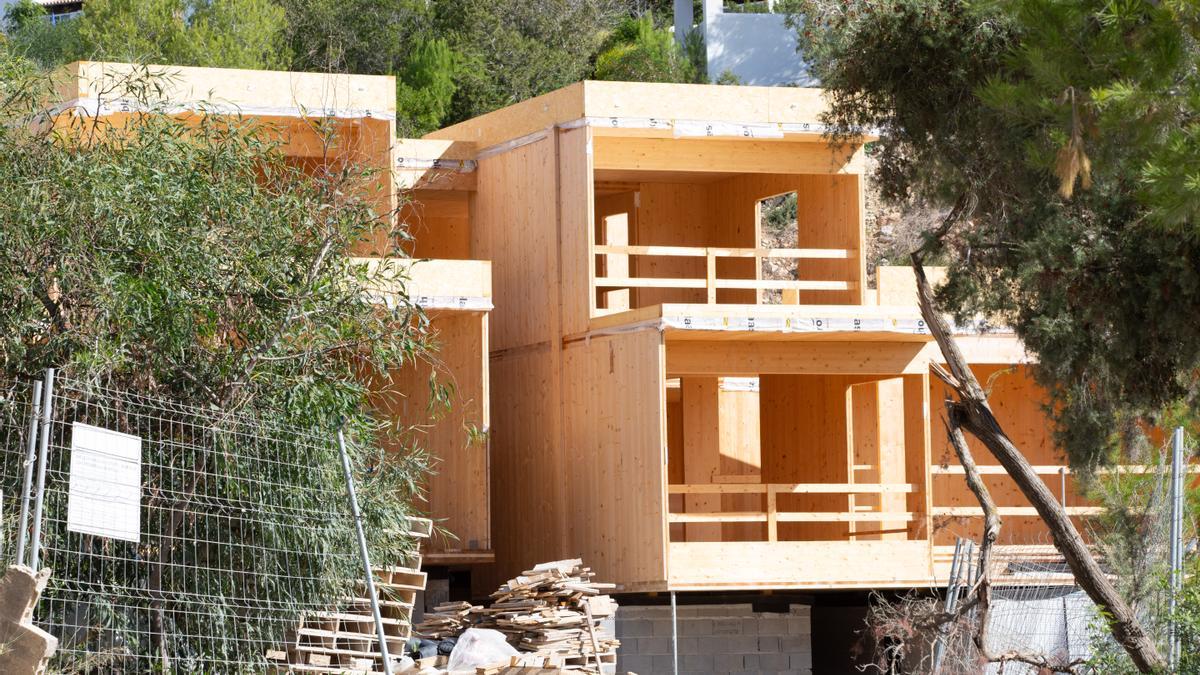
(344, 639)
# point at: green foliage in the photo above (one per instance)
(512, 50)
(639, 52)
(370, 37)
(194, 262)
(28, 30)
(1071, 129)
(216, 33)
(425, 86)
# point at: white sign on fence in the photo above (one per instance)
(105, 492)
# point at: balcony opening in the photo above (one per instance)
(709, 237)
(777, 230)
(795, 458)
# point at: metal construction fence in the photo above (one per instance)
(180, 539)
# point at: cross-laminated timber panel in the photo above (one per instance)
(633, 100)
(457, 490)
(614, 447)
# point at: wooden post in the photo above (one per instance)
(710, 275)
(772, 515)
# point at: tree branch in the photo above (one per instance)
(972, 413)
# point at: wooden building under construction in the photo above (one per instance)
(667, 357)
(689, 401)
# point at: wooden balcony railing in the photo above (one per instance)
(1042, 470)
(772, 516)
(711, 282)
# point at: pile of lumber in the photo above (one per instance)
(555, 610)
(448, 619)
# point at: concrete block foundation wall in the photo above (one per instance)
(719, 638)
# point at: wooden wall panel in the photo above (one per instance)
(741, 456)
(917, 445)
(616, 220)
(830, 216)
(805, 440)
(671, 214)
(457, 493)
(1017, 402)
(514, 224)
(892, 468)
(529, 518)
(701, 406)
(439, 222)
(575, 223)
(614, 450)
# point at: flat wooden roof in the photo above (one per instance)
(254, 92)
(641, 101)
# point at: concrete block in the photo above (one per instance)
(727, 663)
(643, 612)
(792, 644)
(662, 627)
(774, 662)
(768, 644)
(799, 625)
(727, 626)
(800, 610)
(688, 645)
(750, 661)
(700, 662)
(652, 646)
(642, 665)
(801, 662)
(635, 628)
(773, 626)
(713, 645)
(697, 627)
(662, 664)
(740, 644)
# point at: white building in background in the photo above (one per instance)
(758, 48)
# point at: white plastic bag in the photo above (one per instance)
(480, 647)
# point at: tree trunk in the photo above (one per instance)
(975, 416)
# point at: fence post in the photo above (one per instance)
(31, 445)
(366, 558)
(39, 496)
(1176, 545)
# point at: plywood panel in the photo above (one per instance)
(514, 224)
(615, 456)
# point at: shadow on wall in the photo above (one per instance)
(758, 48)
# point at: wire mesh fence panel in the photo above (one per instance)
(15, 410)
(181, 539)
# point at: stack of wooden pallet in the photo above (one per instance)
(345, 640)
(448, 619)
(555, 610)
